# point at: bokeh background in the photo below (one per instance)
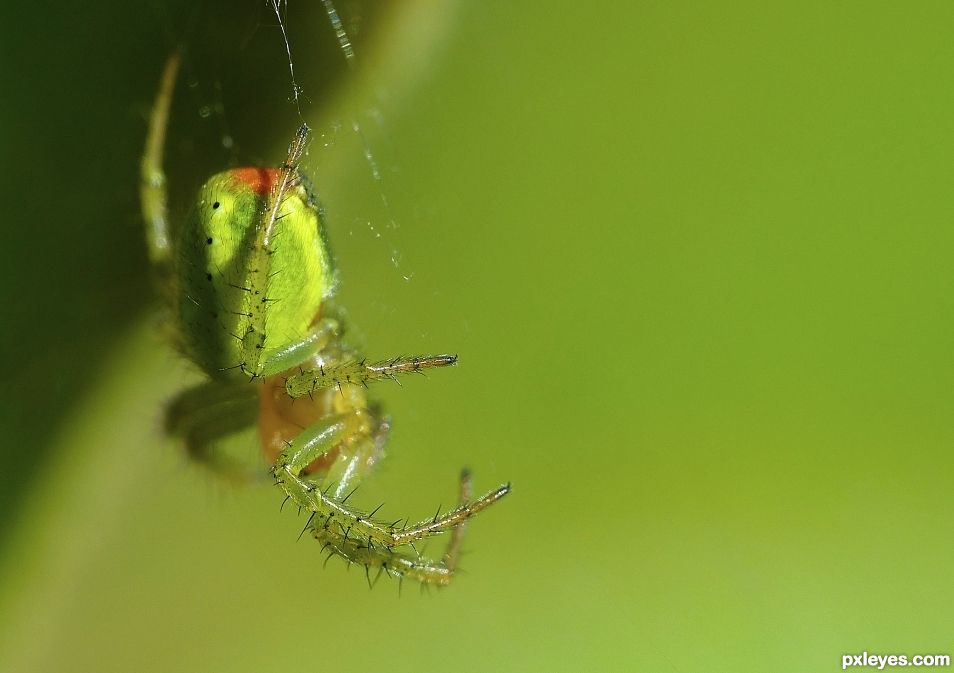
(696, 260)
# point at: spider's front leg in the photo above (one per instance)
(354, 534)
(152, 189)
(361, 372)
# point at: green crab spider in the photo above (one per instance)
(249, 282)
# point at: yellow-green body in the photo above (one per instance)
(223, 294)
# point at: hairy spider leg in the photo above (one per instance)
(394, 562)
(298, 352)
(361, 372)
(342, 375)
(353, 534)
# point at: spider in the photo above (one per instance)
(249, 282)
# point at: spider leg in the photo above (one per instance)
(361, 372)
(357, 459)
(207, 413)
(452, 553)
(355, 535)
(396, 562)
(318, 337)
(152, 179)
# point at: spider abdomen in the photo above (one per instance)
(219, 293)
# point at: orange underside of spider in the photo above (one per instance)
(282, 418)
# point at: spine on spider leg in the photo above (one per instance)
(362, 372)
(260, 256)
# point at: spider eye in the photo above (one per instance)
(215, 205)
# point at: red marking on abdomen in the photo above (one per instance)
(260, 180)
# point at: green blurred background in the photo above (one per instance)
(695, 259)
